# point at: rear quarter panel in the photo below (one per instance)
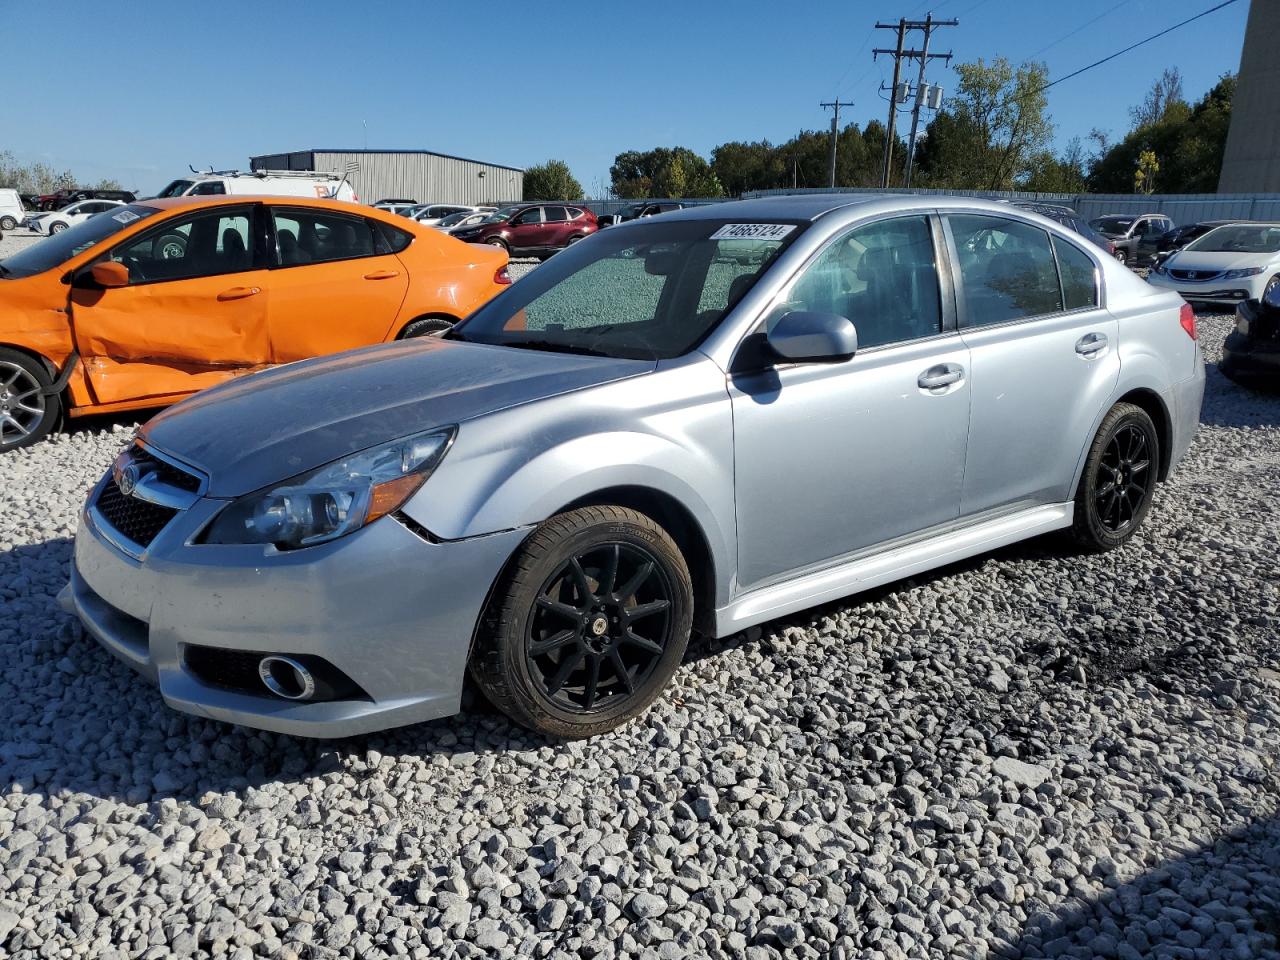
(447, 276)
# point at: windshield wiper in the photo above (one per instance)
(555, 346)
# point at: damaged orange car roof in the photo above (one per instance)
(160, 298)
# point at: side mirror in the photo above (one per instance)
(110, 273)
(805, 335)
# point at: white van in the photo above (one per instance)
(275, 183)
(12, 212)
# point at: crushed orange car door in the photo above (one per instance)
(334, 288)
(159, 337)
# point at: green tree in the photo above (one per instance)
(1049, 174)
(1164, 97)
(1144, 177)
(663, 172)
(991, 132)
(42, 178)
(551, 181)
(1187, 143)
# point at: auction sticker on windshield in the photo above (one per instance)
(753, 231)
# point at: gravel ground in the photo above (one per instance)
(1029, 754)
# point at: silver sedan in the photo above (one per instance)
(696, 422)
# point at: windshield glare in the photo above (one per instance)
(452, 219)
(1239, 238)
(58, 249)
(1112, 224)
(651, 292)
(177, 188)
(500, 216)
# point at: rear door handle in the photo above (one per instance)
(942, 375)
(239, 293)
(382, 275)
(1091, 345)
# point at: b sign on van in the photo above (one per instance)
(753, 231)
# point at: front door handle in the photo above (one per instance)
(382, 275)
(942, 375)
(239, 293)
(1091, 345)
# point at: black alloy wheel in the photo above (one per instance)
(602, 622)
(1119, 479)
(587, 624)
(1124, 478)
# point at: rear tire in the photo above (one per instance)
(26, 414)
(588, 625)
(1119, 479)
(425, 327)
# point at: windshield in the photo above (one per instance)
(1111, 224)
(652, 291)
(452, 219)
(501, 216)
(58, 249)
(1240, 238)
(177, 188)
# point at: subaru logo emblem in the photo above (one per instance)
(128, 478)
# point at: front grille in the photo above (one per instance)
(1195, 276)
(136, 519)
(165, 471)
(230, 669)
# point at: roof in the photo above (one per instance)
(232, 199)
(807, 206)
(432, 153)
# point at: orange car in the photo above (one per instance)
(147, 303)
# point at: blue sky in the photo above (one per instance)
(139, 90)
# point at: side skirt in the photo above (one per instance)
(866, 572)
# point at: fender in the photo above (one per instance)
(670, 432)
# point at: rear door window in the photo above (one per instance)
(556, 214)
(318, 236)
(1007, 269)
(1079, 276)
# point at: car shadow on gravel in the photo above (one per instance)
(1229, 404)
(1220, 900)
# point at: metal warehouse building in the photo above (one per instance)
(419, 175)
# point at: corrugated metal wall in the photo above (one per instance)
(1181, 207)
(426, 177)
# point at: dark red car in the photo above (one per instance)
(532, 229)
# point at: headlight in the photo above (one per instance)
(1237, 274)
(1157, 268)
(336, 499)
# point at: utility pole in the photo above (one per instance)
(893, 96)
(835, 131)
(927, 26)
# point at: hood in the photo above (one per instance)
(265, 428)
(1216, 262)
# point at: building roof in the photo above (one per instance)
(433, 153)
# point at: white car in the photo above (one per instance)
(457, 221)
(78, 212)
(432, 213)
(12, 212)
(1231, 263)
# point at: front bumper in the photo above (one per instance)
(1222, 292)
(391, 610)
(1250, 358)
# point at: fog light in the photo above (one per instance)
(286, 677)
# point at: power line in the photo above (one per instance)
(1135, 46)
(1088, 23)
(926, 26)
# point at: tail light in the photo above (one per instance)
(501, 276)
(1187, 319)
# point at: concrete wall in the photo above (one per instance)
(420, 176)
(1252, 161)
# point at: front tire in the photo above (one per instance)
(26, 414)
(426, 327)
(56, 228)
(1119, 479)
(589, 624)
(8, 223)
(1122, 256)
